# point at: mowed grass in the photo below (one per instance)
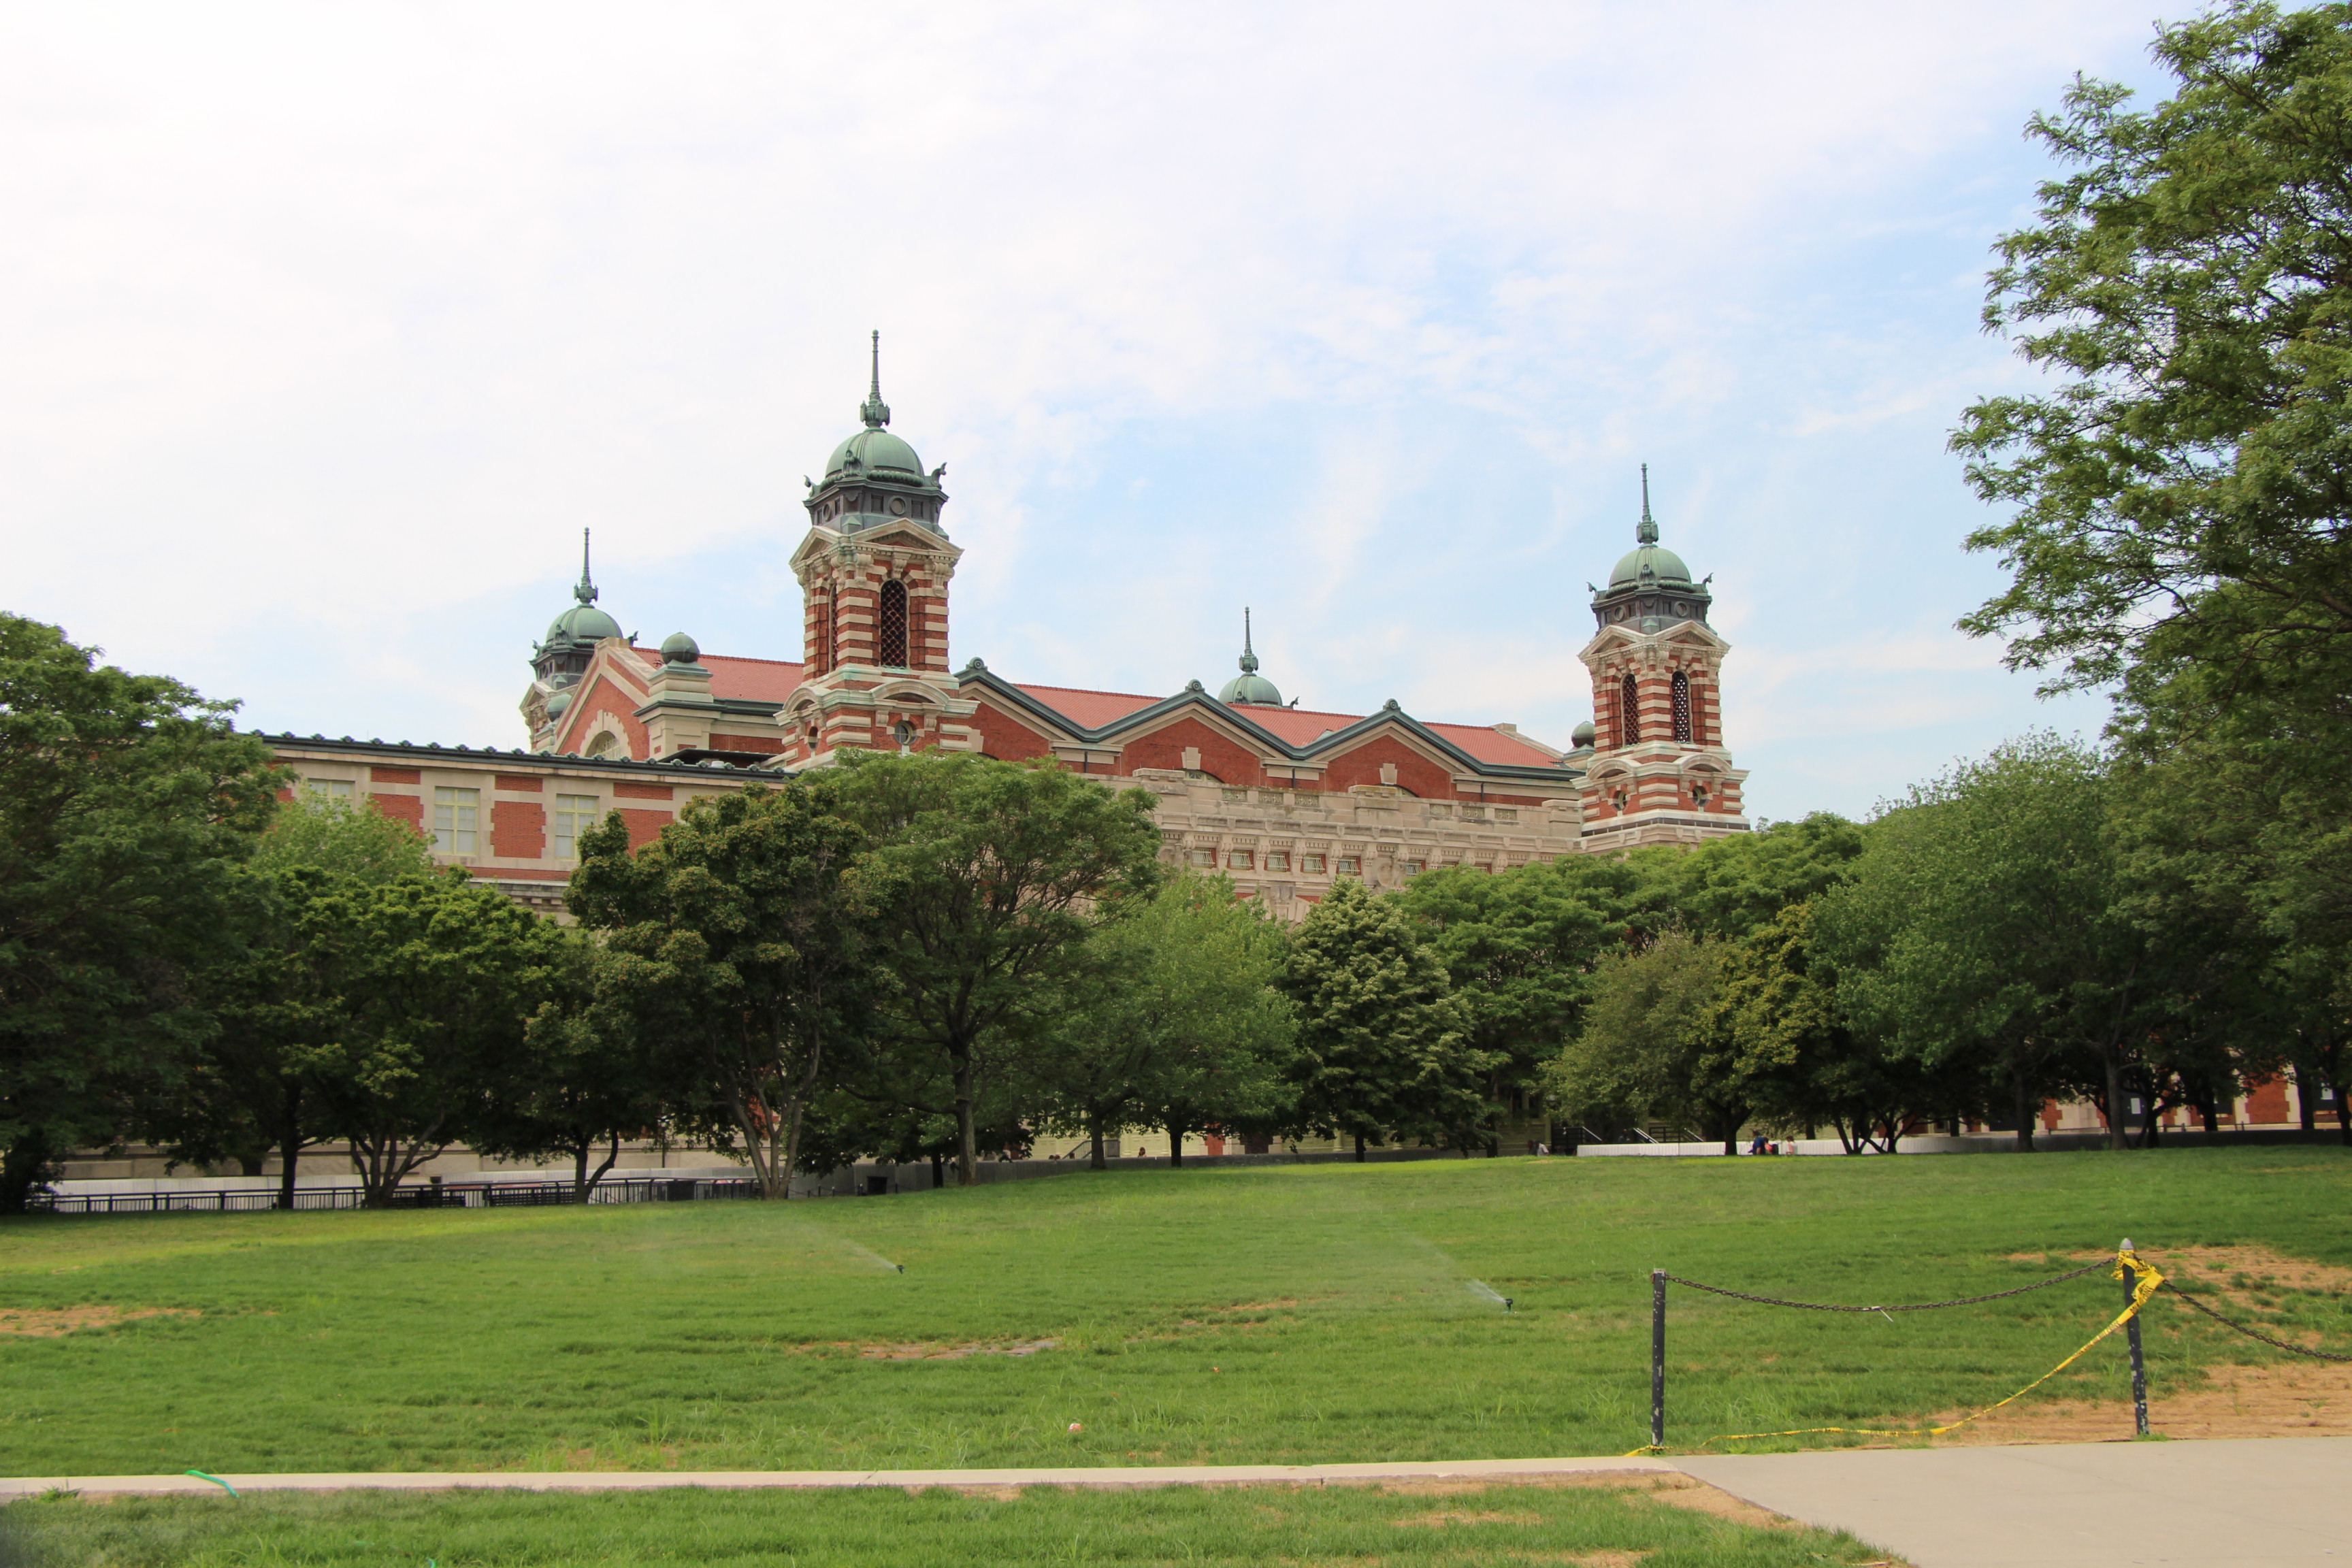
(1199, 1527)
(1304, 1314)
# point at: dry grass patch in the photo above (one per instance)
(48, 1323)
(1690, 1492)
(2287, 1399)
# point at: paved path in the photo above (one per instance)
(2222, 1504)
(2236, 1503)
(633, 1480)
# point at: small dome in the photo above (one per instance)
(558, 703)
(679, 648)
(1584, 734)
(1249, 685)
(1663, 565)
(583, 623)
(1254, 688)
(876, 451)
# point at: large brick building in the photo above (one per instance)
(1282, 798)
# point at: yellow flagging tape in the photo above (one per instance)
(2144, 1285)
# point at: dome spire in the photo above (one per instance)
(1249, 685)
(587, 591)
(873, 411)
(1647, 532)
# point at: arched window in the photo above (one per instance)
(1629, 710)
(890, 627)
(1682, 707)
(605, 745)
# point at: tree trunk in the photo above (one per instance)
(580, 1171)
(24, 1167)
(939, 1171)
(967, 1136)
(1360, 1148)
(290, 1144)
(2305, 1108)
(1095, 1130)
(2025, 1109)
(2112, 1059)
(1174, 1127)
(581, 1190)
(2343, 1109)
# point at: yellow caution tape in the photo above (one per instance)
(2144, 1285)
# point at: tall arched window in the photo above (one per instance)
(1682, 707)
(890, 627)
(1629, 710)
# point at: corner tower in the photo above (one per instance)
(874, 571)
(1659, 772)
(559, 661)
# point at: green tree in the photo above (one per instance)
(1521, 950)
(1990, 918)
(585, 1081)
(1384, 1047)
(987, 880)
(1729, 887)
(1183, 1023)
(1799, 1058)
(2182, 490)
(1653, 1046)
(434, 980)
(273, 991)
(737, 945)
(125, 801)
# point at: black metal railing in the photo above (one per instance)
(417, 1194)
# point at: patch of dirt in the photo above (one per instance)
(1454, 1516)
(1690, 1492)
(49, 1323)
(2237, 1273)
(2288, 1399)
(930, 1350)
(951, 1353)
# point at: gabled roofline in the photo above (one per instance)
(1196, 697)
(430, 752)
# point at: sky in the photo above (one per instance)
(325, 330)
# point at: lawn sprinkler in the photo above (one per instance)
(1481, 1289)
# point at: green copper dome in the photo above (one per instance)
(584, 622)
(1249, 685)
(1663, 565)
(876, 450)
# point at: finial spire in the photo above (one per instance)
(873, 411)
(1647, 532)
(1249, 654)
(587, 591)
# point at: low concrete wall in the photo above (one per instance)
(1979, 1143)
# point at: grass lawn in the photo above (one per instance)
(1304, 1315)
(1199, 1527)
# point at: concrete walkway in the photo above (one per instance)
(639, 1480)
(2235, 1504)
(2223, 1504)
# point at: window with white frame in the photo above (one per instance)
(1350, 866)
(1205, 858)
(1412, 868)
(1238, 860)
(1311, 863)
(328, 789)
(575, 815)
(457, 813)
(1278, 859)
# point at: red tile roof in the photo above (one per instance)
(751, 679)
(1091, 708)
(773, 680)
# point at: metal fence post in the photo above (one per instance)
(2131, 1337)
(1658, 1358)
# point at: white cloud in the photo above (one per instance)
(327, 328)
